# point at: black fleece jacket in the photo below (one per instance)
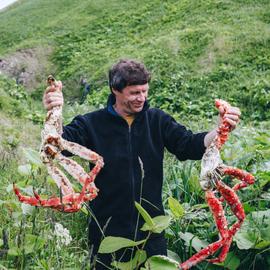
(120, 182)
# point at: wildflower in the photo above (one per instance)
(63, 237)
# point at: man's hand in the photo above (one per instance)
(232, 116)
(53, 96)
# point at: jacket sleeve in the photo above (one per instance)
(76, 132)
(182, 142)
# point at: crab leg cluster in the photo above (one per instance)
(51, 147)
(212, 172)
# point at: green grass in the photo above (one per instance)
(196, 50)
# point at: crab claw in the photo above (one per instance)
(36, 195)
(220, 103)
(25, 199)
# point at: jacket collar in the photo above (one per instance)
(111, 102)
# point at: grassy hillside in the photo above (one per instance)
(197, 50)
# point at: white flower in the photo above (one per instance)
(63, 237)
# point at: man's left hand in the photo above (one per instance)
(232, 116)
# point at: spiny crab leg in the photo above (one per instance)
(219, 216)
(224, 251)
(36, 200)
(222, 225)
(67, 203)
(60, 179)
(81, 151)
(89, 190)
(233, 201)
(25, 199)
(246, 177)
(224, 128)
(84, 153)
(51, 147)
(87, 180)
(73, 168)
(212, 171)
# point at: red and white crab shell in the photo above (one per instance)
(212, 172)
(50, 153)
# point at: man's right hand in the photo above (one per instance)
(53, 96)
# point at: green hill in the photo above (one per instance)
(196, 50)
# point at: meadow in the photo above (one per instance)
(196, 51)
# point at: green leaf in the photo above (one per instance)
(32, 156)
(17, 217)
(2, 267)
(24, 169)
(1, 242)
(199, 206)
(33, 243)
(248, 208)
(232, 261)
(173, 255)
(265, 195)
(27, 209)
(111, 244)
(9, 188)
(255, 231)
(138, 259)
(14, 251)
(176, 208)
(145, 215)
(265, 232)
(84, 210)
(194, 181)
(192, 240)
(246, 239)
(263, 244)
(161, 263)
(12, 204)
(160, 224)
(264, 178)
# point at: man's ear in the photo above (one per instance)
(115, 92)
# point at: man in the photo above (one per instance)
(86, 90)
(131, 135)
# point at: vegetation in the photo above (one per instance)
(196, 51)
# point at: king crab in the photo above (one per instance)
(212, 171)
(51, 147)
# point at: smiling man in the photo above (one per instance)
(129, 84)
(131, 136)
(131, 100)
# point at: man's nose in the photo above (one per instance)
(141, 97)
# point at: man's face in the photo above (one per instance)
(131, 99)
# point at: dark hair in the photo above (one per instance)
(128, 72)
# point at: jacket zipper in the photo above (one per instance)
(131, 164)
